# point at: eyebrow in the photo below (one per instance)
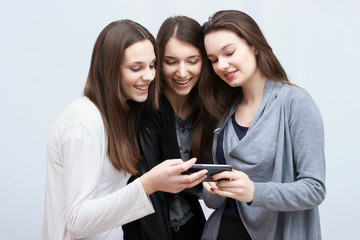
(141, 62)
(193, 56)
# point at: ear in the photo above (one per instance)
(256, 52)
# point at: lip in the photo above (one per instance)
(182, 82)
(142, 88)
(230, 75)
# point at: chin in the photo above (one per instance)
(140, 99)
(184, 92)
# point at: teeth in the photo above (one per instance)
(229, 74)
(141, 88)
(182, 82)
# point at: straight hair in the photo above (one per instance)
(103, 88)
(217, 96)
(186, 30)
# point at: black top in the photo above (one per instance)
(158, 142)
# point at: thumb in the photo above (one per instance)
(184, 166)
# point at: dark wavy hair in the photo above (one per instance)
(103, 88)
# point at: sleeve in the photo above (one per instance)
(212, 200)
(83, 154)
(154, 226)
(150, 135)
(306, 134)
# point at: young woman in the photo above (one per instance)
(92, 149)
(272, 134)
(168, 132)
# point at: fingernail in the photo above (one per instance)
(211, 178)
(211, 189)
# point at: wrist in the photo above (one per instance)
(147, 185)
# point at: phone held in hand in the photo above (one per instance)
(212, 169)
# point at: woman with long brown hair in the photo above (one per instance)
(168, 132)
(269, 130)
(92, 149)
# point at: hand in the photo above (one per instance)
(167, 177)
(239, 186)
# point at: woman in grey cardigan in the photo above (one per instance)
(269, 130)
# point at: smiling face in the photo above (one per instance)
(181, 67)
(137, 70)
(232, 58)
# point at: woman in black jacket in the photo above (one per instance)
(167, 133)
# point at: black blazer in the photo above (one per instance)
(158, 142)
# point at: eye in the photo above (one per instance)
(135, 68)
(230, 53)
(194, 61)
(168, 62)
(213, 61)
(152, 66)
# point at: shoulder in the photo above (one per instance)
(292, 94)
(298, 102)
(155, 118)
(81, 113)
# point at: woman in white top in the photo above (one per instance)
(92, 149)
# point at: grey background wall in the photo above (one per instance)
(45, 50)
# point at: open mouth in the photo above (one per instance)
(142, 88)
(230, 74)
(182, 82)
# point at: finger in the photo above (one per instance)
(196, 175)
(189, 163)
(196, 182)
(185, 165)
(227, 183)
(223, 175)
(212, 184)
(208, 187)
(186, 182)
(174, 162)
(223, 193)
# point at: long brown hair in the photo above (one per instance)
(103, 88)
(184, 29)
(218, 97)
(187, 30)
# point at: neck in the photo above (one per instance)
(179, 103)
(253, 91)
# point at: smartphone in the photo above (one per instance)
(212, 169)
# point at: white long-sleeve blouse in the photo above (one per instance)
(85, 196)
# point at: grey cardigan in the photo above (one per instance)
(283, 154)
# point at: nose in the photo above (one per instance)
(149, 74)
(181, 70)
(222, 64)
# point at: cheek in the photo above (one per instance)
(153, 72)
(216, 69)
(195, 70)
(250, 63)
(167, 71)
(129, 79)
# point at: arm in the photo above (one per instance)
(307, 138)
(84, 155)
(85, 215)
(304, 149)
(157, 138)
